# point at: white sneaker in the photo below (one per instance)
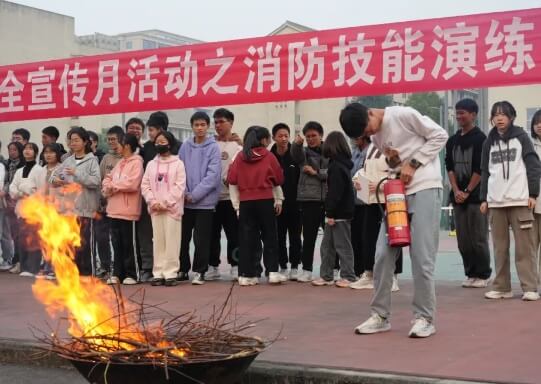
(26, 274)
(498, 295)
(374, 324)
(212, 274)
(198, 279)
(16, 269)
(530, 296)
(480, 283)
(276, 278)
(284, 271)
(129, 281)
(304, 276)
(468, 282)
(336, 274)
(422, 328)
(113, 280)
(365, 282)
(294, 273)
(248, 281)
(395, 287)
(235, 272)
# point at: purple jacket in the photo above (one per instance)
(203, 172)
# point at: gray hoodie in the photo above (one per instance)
(87, 175)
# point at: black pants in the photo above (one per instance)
(257, 222)
(84, 255)
(144, 234)
(224, 217)
(198, 221)
(313, 217)
(289, 223)
(367, 230)
(472, 237)
(29, 247)
(102, 230)
(125, 248)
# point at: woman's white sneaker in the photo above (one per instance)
(498, 295)
(422, 328)
(374, 324)
(530, 296)
(365, 282)
(248, 281)
(294, 273)
(304, 276)
(276, 278)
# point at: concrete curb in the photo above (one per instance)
(25, 352)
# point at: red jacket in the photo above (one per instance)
(256, 176)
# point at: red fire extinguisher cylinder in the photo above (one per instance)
(398, 230)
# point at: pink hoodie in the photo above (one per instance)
(164, 182)
(122, 187)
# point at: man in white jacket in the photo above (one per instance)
(411, 142)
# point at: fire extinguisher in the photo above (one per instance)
(396, 212)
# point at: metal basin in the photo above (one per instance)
(227, 371)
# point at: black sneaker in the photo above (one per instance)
(183, 276)
(157, 282)
(146, 276)
(171, 282)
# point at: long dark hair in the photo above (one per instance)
(536, 118)
(252, 139)
(335, 144)
(20, 148)
(34, 148)
(56, 148)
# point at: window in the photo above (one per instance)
(529, 115)
(129, 45)
(148, 44)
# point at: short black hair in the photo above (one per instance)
(56, 148)
(504, 107)
(200, 115)
(24, 133)
(467, 105)
(93, 136)
(131, 140)
(34, 147)
(312, 126)
(354, 119)
(117, 131)
(84, 135)
(135, 120)
(224, 114)
(158, 120)
(336, 144)
(536, 119)
(51, 132)
(279, 126)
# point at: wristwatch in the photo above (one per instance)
(415, 163)
(466, 190)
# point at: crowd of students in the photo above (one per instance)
(140, 205)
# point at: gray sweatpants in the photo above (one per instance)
(337, 241)
(424, 208)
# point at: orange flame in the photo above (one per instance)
(94, 308)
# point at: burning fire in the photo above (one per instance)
(94, 309)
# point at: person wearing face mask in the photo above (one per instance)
(510, 174)
(163, 188)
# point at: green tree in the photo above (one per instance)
(380, 101)
(428, 104)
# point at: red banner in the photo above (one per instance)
(474, 51)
